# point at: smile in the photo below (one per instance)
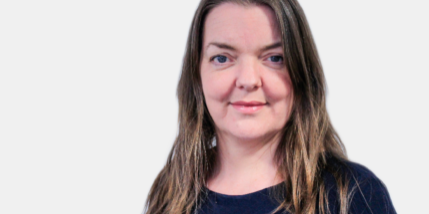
(248, 107)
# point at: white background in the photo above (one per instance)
(88, 108)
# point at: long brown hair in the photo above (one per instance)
(308, 138)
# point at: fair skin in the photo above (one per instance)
(248, 93)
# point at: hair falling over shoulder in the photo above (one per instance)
(309, 138)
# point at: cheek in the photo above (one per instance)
(280, 94)
(216, 89)
(217, 86)
(279, 88)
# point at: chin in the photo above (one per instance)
(254, 133)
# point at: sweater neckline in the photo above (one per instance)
(257, 192)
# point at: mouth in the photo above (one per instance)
(248, 107)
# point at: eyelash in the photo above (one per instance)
(214, 57)
(281, 57)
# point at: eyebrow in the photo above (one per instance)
(221, 45)
(272, 46)
(229, 47)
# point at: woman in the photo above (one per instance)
(254, 133)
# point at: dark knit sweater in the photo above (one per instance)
(370, 196)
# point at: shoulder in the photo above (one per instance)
(366, 192)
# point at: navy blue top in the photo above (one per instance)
(370, 197)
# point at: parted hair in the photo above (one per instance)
(308, 137)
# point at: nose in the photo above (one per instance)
(248, 76)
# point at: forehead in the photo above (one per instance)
(246, 26)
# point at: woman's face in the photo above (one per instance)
(245, 81)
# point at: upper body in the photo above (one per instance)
(252, 114)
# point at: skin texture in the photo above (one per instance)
(237, 66)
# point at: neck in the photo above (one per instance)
(243, 165)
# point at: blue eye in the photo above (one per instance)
(220, 58)
(276, 58)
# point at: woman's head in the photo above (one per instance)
(296, 91)
(245, 82)
(240, 51)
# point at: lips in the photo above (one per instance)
(248, 107)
